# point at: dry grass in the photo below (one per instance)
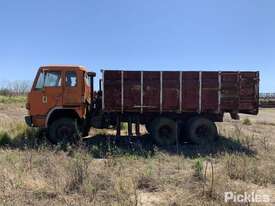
(12, 99)
(108, 171)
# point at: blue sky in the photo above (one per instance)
(138, 34)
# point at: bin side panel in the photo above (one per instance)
(190, 91)
(230, 87)
(210, 91)
(132, 92)
(151, 91)
(171, 91)
(249, 92)
(112, 91)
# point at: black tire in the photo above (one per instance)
(164, 131)
(64, 130)
(201, 130)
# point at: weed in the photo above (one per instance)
(124, 126)
(198, 167)
(265, 143)
(237, 133)
(247, 122)
(147, 183)
(248, 141)
(78, 173)
(241, 167)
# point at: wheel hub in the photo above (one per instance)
(64, 132)
(202, 131)
(165, 132)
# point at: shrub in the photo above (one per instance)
(247, 122)
(5, 139)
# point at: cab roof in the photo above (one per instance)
(70, 67)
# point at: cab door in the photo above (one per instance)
(53, 89)
(73, 93)
(46, 94)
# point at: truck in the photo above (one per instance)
(170, 104)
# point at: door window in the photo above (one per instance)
(48, 79)
(71, 79)
(52, 79)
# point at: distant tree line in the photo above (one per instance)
(15, 88)
(267, 95)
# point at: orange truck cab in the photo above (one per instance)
(60, 96)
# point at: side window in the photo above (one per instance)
(71, 79)
(87, 80)
(52, 79)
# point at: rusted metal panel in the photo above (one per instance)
(171, 91)
(190, 91)
(112, 91)
(210, 91)
(132, 91)
(249, 91)
(230, 88)
(185, 91)
(151, 91)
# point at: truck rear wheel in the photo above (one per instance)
(201, 130)
(64, 130)
(164, 131)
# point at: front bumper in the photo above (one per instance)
(28, 120)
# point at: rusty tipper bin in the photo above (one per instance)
(162, 99)
(180, 92)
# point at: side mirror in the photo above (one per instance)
(91, 74)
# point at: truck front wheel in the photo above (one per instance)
(64, 130)
(201, 130)
(164, 131)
